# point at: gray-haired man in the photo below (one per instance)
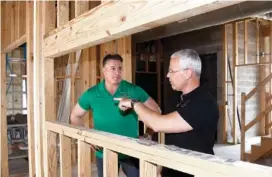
(194, 123)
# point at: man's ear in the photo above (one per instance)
(189, 74)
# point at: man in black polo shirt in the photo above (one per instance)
(194, 123)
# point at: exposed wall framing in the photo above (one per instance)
(52, 128)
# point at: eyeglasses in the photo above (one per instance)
(171, 72)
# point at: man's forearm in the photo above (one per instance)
(147, 115)
(77, 121)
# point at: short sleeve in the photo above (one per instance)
(140, 94)
(84, 100)
(191, 117)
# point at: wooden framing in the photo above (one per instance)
(235, 62)
(77, 35)
(172, 157)
(80, 33)
(225, 84)
(4, 141)
(30, 111)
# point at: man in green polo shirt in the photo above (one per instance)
(106, 114)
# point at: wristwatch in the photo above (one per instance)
(133, 101)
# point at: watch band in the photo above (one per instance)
(133, 101)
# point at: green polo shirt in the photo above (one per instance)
(106, 114)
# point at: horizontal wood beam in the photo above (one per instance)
(213, 18)
(99, 25)
(169, 156)
(15, 44)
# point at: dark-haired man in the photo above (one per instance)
(106, 115)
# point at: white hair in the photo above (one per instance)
(189, 59)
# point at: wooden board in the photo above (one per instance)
(169, 156)
(136, 16)
(84, 160)
(80, 8)
(37, 40)
(124, 48)
(65, 156)
(30, 100)
(110, 163)
(3, 117)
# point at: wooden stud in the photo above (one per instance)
(4, 142)
(8, 24)
(124, 49)
(147, 169)
(51, 165)
(243, 121)
(257, 41)
(65, 156)
(110, 163)
(80, 8)
(12, 22)
(235, 62)
(225, 85)
(84, 159)
(267, 121)
(17, 20)
(30, 100)
(270, 44)
(22, 21)
(245, 41)
(262, 68)
(3, 27)
(37, 40)
(62, 12)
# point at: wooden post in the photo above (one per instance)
(234, 61)
(147, 169)
(80, 8)
(225, 85)
(245, 41)
(84, 159)
(65, 156)
(51, 164)
(270, 44)
(30, 100)
(260, 44)
(243, 121)
(124, 49)
(37, 91)
(267, 121)
(110, 163)
(3, 116)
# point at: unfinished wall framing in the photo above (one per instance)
(63, 29)
(52, 129)
(16, 29)
(247, 69)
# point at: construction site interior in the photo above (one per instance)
(51, 52)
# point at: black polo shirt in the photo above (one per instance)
(199, 109)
